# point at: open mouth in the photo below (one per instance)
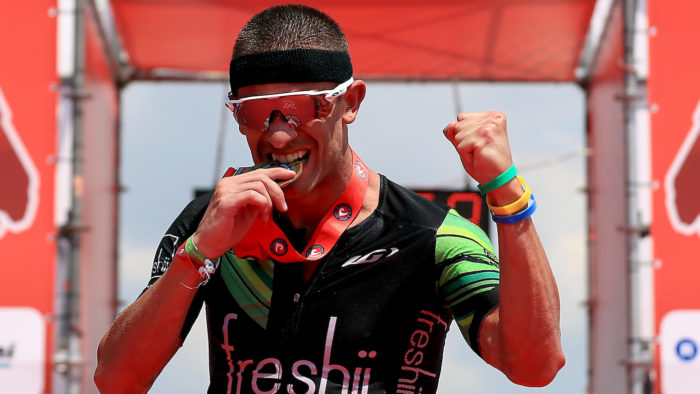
(289, 158)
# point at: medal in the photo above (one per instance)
(295, 166)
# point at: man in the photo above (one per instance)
(320, 275)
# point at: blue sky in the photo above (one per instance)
(169, 145)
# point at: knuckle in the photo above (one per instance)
(221, 184)
(462, 116)
(496, 115)
(250, 193)
(487, 129)
(258, 176)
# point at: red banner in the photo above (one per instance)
(98, 247)
(27, 232)
(674, 95)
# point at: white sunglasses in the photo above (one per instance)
(329, 95)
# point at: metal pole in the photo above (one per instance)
(220, 142)
(639, 347)
(69, 360)
(469, 182)
(630, 91)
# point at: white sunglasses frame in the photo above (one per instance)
(330, 95)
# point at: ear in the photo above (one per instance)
(352, 100)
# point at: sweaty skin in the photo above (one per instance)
(520, 337)
(147, 333)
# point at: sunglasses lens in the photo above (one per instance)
(297, 111)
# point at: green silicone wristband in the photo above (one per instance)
(498, 181)
(194, 253)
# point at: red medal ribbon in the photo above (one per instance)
(266, 240)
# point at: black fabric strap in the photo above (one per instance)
(292, 65)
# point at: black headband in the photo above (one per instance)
(292, 65)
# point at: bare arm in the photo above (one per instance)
(146, 335)
(521, 337)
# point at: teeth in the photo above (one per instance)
(288, 157)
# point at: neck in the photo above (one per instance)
(307, 211)
(298, 219)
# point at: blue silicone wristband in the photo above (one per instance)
(518, 217)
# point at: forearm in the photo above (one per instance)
(521, 337)
(529, 299)
(528, 329)
(146, 334)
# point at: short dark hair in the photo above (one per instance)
(290, 26)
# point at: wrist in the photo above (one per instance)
(198, 251)
(499, 181)
(204, 266)
(183, 264)
(519, 216)
(194, 253)
(506, 194)
(516, 210)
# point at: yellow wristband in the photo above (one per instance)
(514, 207)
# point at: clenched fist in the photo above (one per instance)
(481, 139)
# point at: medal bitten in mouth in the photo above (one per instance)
(296, 166)
(294, 162)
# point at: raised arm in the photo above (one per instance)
(521, 337)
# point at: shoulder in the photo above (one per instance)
(457, 225)
(396, 200)
(194, 210)
(181, 228)
(459, 239)
(187, 221)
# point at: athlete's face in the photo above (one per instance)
(322, 143)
